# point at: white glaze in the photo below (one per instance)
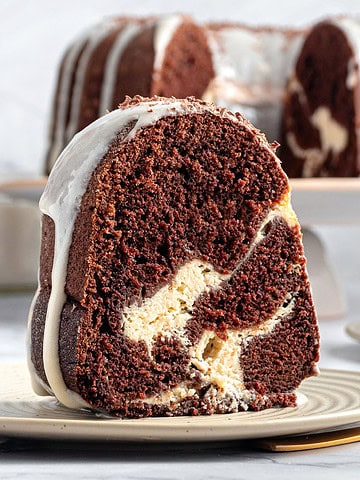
(63, 101)
(165, 27)
(164, 32)
(255, 59)
(123, 39)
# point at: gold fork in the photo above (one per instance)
(309, 441)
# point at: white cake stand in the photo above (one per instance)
(325, 201)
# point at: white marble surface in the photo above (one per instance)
(33, 35)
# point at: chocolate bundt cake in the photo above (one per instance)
(240, 67)
(321, 119)
(172, 273)
(252, 66)
(165, 56)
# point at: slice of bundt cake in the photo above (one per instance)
(165, 55)
(321, 118)
(172, 274)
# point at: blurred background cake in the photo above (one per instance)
(166, 56)
(240, 67)
(29, 81)
(305, 81)
(172, 272)
(321, 117)
(237, 63)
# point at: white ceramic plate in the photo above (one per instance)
(327, 401)
(353, 329)
(315, 200)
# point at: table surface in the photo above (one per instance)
(52, 459)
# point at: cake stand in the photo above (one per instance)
(325, 201)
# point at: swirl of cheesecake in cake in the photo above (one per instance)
(172, 274)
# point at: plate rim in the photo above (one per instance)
(187, 429)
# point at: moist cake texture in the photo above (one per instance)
(172, 274)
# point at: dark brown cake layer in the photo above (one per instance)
(189, 187)
(322, 71)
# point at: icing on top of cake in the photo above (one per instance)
(255, 62)
(252, 66)
(165, 30)
(124, 37)
(351, 28)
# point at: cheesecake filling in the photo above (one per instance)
(167, 312)
(217, 360)
(313, 157)
(333, 138)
